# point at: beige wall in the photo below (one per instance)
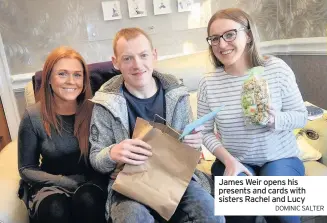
(311, 76)
(284, 19)
(31, 29)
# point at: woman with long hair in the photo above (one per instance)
(269, 149)
(53, 145)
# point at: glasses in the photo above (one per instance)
(228, 36)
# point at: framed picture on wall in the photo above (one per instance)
(111, 10)
(184, 5)
(161, 7)
(136, 8)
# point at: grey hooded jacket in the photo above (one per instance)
(110, 126)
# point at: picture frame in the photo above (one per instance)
(111, 10)
(184, 5)
(137, 8)
(161, 7)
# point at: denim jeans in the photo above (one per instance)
(292, 166)
(195, 206)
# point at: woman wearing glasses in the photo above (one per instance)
(269, 150)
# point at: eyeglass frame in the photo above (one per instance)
(209, 41)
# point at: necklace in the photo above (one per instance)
(67, 125)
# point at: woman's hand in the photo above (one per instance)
(72, 182)
(233, 168)
(272, 115)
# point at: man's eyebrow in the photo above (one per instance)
(126, 55)
(144, 51)
(130, 55)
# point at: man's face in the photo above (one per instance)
(135, 59)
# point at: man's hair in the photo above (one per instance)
(129, 33)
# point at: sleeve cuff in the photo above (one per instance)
(105, 157)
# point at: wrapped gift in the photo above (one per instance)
(255, 98)
(161, 182)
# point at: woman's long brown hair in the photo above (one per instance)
(84, 106)
(246, 21)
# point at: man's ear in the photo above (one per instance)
(115, 62)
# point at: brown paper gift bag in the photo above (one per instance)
(161, 182)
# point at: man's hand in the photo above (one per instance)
(195, 138)
(131, 151)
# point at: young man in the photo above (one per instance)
(141, 92)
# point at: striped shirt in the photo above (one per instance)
(254, 145)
